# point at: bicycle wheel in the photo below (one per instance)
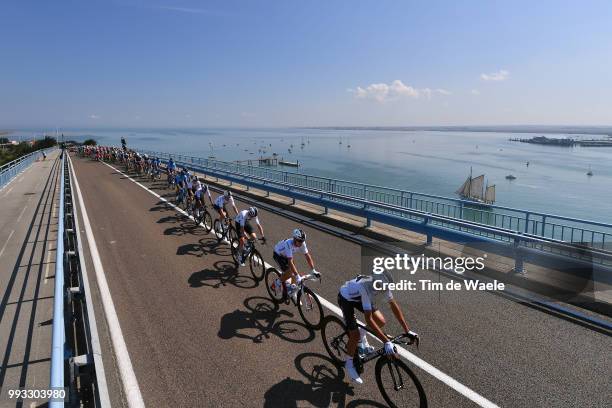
(257, 265)
(235, 248)
(310, 308)
(277, 294)
(206, 220)
(218, 230)
(335, 338)
(398, 385)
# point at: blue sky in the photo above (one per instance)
(186, 63)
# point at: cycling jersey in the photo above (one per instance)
(287, 249)
(361, 289)
(243, 217)
(221, 201)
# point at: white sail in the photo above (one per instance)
(476, 187)
(464, 190)
(490, 194)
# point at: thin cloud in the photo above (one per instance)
(382, 92)
(475, 92)
(93, 116)
(500, 75)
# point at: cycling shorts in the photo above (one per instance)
(282, 261)
(248, 228)
(348, 311)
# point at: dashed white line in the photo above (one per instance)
(425, 366)
(6, 243)
(128, 377)
(22, 211)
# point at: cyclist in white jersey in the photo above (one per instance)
(359, 293)
(221, 201)
(244, 229)
(200, 190)
(284, 252)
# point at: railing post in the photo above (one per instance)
(543, 222)
(429, 236)
(526, 222)
(519, 267)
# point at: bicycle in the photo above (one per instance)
(224, 230)
(202, 216)
(310, 308)
(395, 391)
(256, 262)
(171, 180)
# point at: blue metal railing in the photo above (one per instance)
(11, 169)
(58, 331)
(586, 233)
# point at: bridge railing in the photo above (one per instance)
(9, 170)
(581, 232)
(76, 357)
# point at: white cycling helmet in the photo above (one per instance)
(299, 234)
(253, 212)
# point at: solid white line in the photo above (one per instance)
(6, 243)
(128, 377)
(425, 366)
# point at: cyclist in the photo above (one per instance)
(359, 293)
(283, 255)
(221, 201)
(171, 166)
(201, 189)
(245, 229)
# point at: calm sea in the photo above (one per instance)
(431, 162)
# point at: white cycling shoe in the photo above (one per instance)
(352, 371)
(365, 348)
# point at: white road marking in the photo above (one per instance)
(425, 366)
(6, 243)
(9, 191)
(21, 215)
(128, 377)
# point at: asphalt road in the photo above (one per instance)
(28, 233)
(201, 333)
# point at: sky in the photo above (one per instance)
(166, 63)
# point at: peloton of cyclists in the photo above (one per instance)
(284, 252)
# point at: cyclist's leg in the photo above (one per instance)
(348, 312)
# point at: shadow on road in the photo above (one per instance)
(260, 321)
(323, 385)
(205, 246)
(222, 274)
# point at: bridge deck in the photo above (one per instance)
(28, 226)
(201, 334)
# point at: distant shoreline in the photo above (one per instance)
(586, 130)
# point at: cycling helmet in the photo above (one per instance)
(299, 234)
(228, 194)
(253, 212)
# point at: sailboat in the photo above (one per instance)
(474, 189)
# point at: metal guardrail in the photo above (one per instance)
(515, 245)
(9, 170)
(76, 353)
(592, 235)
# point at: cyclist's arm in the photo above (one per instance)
(309, 260)
(259, 226)
(293, 268)
(397, 312)
(234, 206)
(369, 318)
